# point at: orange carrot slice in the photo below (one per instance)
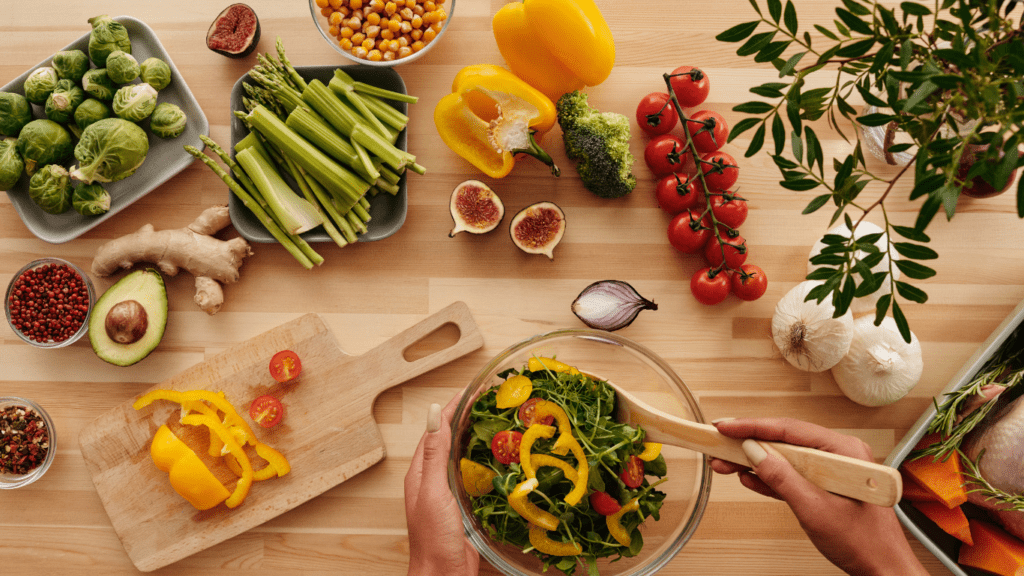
(942, 478)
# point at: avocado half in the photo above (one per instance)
(145, 287)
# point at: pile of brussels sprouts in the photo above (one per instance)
(99, 107)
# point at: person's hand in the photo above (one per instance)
(862, 539)
(437, 541)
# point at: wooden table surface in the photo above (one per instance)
(370, 292)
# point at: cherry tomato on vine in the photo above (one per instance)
(720, 170)
(691, 86)
(749, 282)
(505, 446)
(675, 193)
(604, 504)
(708, 130)
(688, 232)
(710, 287)
(729, 209)
(285, 365)
(655, 114)
(266, 411)
(735, 252)
(633, 472)
(666, 154)
(527, 414)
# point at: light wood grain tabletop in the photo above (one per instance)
(369, 292)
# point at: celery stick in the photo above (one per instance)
(296, 214)
(387, 114)
(293, 169)
(390, 176)
(365, 161)
(325, 200)
(361, 213)
(373, 90)
(364, 111)
(313, 128)
(356, 222)
(382, 184)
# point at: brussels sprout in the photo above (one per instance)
(135, 102)
(15, 112)
(62, 102)
(106, 37)
(70, 64)
(90, 200)
(97, 84)
(168, 121)
(40, 83)
(11, 165)
(110, 150)
(50, 188)
(43, 142)
(122, 67)
(156, 73)
(92, 110)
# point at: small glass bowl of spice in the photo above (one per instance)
(48, 303)
(27, 442)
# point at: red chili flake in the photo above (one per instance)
(24, 440)
(34, 307)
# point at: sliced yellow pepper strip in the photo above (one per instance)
(540, 460)
(651, 451)
(514, 391)
(519, 500)
(526, 445)
(539, 539)
(614, 522)
(579, 490)
(275, 461)
(476, 478)
(245, 482)
(546, 408)
(537, 364)
(188, 475)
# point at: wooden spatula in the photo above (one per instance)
(850, 477)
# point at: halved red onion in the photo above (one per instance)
(610, 305)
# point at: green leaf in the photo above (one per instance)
(914, 270)
(915, 251)
(895, 148)
(798, 147)
(775, 9)
(828, 260)
(778, 134)
(927, 213)
(876, 119)
(832, 239)
(756, 7)
(817, 203)
(911, 234)
(800, 185)
(755, 43)
(842, 29)
(947, 81)
(753, 107)
(906, 54)
(826, 32)
(815, 152)
(738, 32)
(901, 321)
(784, 163)
(844, 299)
(821, 274)
(927, 185)
(756, 142)
(882, 58)
(881, 307)
(768, 91)
(793, 113)
(772, 51)
(790, 64)
(923, 91)
(914, 9)
(857, 49)
(742, 126)
(910, 292)
(872, 260)
(854, 23)
(949, 195)
(869, 98)
(789, 17)
(858, 9)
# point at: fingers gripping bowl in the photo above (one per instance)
(613, 358)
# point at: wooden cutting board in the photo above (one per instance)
(328, 433)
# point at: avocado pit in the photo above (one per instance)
(127, 321)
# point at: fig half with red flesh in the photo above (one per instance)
(235, 32)
(538, 228)
(475, 208)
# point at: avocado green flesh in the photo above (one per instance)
(145, 287)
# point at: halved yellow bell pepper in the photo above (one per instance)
(476, 478)
(556, 46)
(540, 540)
(651, 451)
(614, 522)
(526, 445)
(187, 473)
(245, 482)
(491, 115)
(519, 500)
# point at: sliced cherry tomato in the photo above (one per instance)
(720, 170)
(505, 446)
(266, 411)
(604, 504)
(633, 473)
(655, 114)
(527, 414)
(688, 232)
(666, 154)
(729, 209)
(708, 130)
(735, 250)
(285, 366)
(675, 194)
(710, 287)
(749, 282)
(690, 85)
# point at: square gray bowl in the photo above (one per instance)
(387, 212)
(165, 159)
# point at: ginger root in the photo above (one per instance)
(212, 261)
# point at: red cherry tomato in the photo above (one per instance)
(720, 170)
(749, 282)
(729, 209)
(633, 473)
(285, 365)
(527, 414)
(708, 130)
(505, 446)
(666, 154)
(604, 504)
(655, 114)
(690, 85)
(735, 252)
(675, 194)
(688, 232)
(266, 411)
(709, 287)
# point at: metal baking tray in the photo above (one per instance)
(165, 159)
(387, 212)
(943, 546)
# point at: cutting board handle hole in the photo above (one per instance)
(445, 336)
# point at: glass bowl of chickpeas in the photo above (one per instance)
(382, 32)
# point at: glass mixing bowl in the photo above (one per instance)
(641, 372)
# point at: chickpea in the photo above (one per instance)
(326, 12)
(355, 4)
(404, 51)
(334, 3)
(416, 35)
(387, 34)
(389, 56)
(333, 30)
(358, 38)
(322, 3)
(373, 56)
(345, 44)
(390, 8)
(417, 46)
(373, 19)
(429, 34)
(346, 32)
(406, 13)
(359, 52)
(429, 6)
(335, 20)
(372, 31)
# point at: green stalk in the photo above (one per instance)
(365, 161)
(326, 201)
(390, 176)
(293, 169)
(382, 184)
(296, 214)
(300, 83)
(356, 222)
(365, 112)
(387, 114)
(361, 213)
(310, 126)
(236, 170)
(344, 78)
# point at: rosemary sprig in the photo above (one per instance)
(972, 471)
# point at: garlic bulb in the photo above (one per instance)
(864, 303)
(807, 334)
(880, 367)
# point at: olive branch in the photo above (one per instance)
(951, 76)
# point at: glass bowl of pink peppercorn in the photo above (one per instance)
(48, 303)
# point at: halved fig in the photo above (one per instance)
(475, 208)
(538, 228)
(235, 32)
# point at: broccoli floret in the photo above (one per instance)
(599, 142)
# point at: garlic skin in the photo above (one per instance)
(865, 303)
(807, 334)
(880, 367)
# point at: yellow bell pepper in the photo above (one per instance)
(556, 46)
(614, 522)
(476, 478)
(519, 500)
(491, 115)
(526, 445)
(579, 489)
(537, 364)
(231, 418)
(651, 451)
(540, 460)
(188, 475)
(514, 391)
(540, 540)
(245, 482)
